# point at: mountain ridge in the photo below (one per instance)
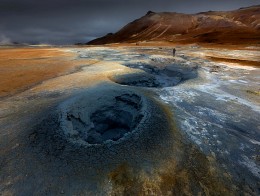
(237, 26)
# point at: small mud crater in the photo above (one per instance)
(104, 125)
(136, 79)
(155, 77)
(101, 116)
(109, 122)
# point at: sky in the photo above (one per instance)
(72, 21)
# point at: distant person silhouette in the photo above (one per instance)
(173, 51)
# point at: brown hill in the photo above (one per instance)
(238, 26)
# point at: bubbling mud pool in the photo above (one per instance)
(149, 76)
(114, 118)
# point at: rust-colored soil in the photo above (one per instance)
(229, 60)
(23, 68)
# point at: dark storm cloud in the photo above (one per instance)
(70, 21)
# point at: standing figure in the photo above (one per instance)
(173, 52)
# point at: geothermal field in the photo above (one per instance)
(167, 105)
(130, 120)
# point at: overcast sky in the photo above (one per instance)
(71, 21)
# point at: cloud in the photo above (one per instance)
(70, 21)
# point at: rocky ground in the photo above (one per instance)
(130, 120)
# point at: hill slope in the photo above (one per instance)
(239, 26)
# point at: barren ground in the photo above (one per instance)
(126, 119)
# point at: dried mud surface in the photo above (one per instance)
(23, 68)
(124, 120)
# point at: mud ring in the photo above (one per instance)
(84, 121)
